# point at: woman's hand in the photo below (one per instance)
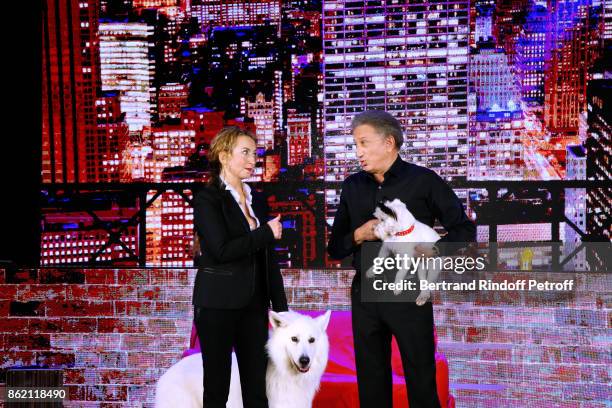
(276, 226)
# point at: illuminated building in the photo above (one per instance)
(496, 127)
(262, 112)
(231, 13)
(566, 69)
(575, 198)
(153, 3)
(530, 55)
(171, 145)
(483, 29)
(70, 237)
(111, 140)
(599, 156)
(271, 167)
(128, 67)
(298, 137)
(134, 161)
(172, 97)
(409, 60)
(70, 79)
(245, 48)
(509, 15)
(169, 231)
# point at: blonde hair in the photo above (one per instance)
(224, 141)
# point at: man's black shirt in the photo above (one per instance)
(426, 195)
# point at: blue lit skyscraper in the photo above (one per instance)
(530, 55)
(496, 123)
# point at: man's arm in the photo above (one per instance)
(446, 207)
(341, 243)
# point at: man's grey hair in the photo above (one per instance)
(383, 122)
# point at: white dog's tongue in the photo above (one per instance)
(300, 369)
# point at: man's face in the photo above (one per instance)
(373, 149)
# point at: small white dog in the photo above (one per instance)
(398, 225)
(298, 349)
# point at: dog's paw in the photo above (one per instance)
(398, 288)
(423, 297)
(370, 273)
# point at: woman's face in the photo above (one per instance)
(240, 162)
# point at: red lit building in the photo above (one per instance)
(70, 79)
(207, 123)
(298, 137)
(172, 97)
(104, 156)
(153, 3)
(271, 164)
(565, 78)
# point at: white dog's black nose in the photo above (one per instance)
(304, 361)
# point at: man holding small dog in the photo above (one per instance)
(378, 138)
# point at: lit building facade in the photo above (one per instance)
(567, 41)
(599, 157)
(171, 145)
(531, 55)
(169, 231)
(127, 66)
(575, 198)
(231, 13)
(73, 238)
(496, 126)
(262, 112)
(410, 60)
(172, 97)
(153, 3)
(112, 138)
(298, 137)
(70, 80)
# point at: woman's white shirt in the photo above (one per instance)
(248, 199)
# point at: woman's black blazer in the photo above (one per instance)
(229, 251)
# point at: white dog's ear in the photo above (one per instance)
(323, 320)
(276, 320)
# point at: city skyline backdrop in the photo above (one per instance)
(135, 90)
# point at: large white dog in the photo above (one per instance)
(298, 349)
(401, 233)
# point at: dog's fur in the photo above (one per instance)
(294, 369)
(395, 217)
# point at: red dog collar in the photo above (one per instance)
(405, 232)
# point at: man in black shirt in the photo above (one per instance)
(378, 138)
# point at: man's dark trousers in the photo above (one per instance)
(412, 325)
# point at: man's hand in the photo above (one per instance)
(366, 232)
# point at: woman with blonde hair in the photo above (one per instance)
(237, 278)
